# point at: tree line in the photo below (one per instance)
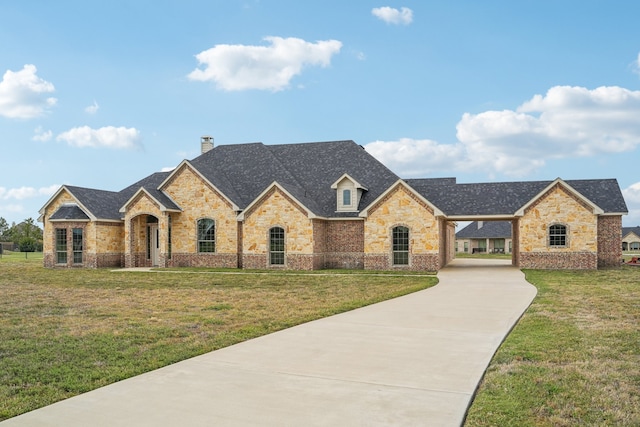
(26, 235)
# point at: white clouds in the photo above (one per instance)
(636, 65)
(390, 15)
(93, 108)
(240, 67)
(41, 135)
(109, 137)
(416, 158)
(632, 197)
(23, 94)
(23, 193)
(566, 122)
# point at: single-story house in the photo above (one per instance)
(631, 238)
(322, 205)
(485, 237)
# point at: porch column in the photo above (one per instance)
(127, 243)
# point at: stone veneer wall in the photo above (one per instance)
(401, 207)
(609, 241)
(558, 206)
(276, 209)
(198, 200)
(109, 244)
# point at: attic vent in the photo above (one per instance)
(206, 143)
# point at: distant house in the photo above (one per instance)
(322, 205)
(485, 237)
(631, 238)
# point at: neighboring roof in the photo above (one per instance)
(486, 230)
(69, 213)
(628, 230)
(307, 172)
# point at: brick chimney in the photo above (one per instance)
(206, 143)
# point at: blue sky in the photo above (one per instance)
(101, 94)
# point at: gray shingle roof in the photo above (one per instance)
(627, 230)
(487, 230)
(505, 198)
(101, 204)
(69, 213)
(106, 205)
(307, 171)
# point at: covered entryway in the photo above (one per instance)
(486, 244)
(144, 239)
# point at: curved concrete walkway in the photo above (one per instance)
(411, 361)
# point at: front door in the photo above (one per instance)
(154, 244)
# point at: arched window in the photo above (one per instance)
(206, 235)
(276, 246)
(558, 235)
(400, 237)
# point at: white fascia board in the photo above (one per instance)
(596, 210)
(436, 211)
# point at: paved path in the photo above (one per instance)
(411, 361)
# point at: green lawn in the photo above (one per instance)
(574, 357)
(65, 332)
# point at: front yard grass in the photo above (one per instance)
(574, 357)
(65, 332)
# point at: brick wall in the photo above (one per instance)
(211, 260)
(344, 244)
(559, 260)
(417, 262)
(609, 241)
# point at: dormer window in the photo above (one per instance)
(348, 194)
(346, 197)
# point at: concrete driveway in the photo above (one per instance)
(411, 361)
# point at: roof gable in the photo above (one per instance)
(365, 212)
(160, 202)
(559, 182)
(185, 164)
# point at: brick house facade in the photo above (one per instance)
(322, 205)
